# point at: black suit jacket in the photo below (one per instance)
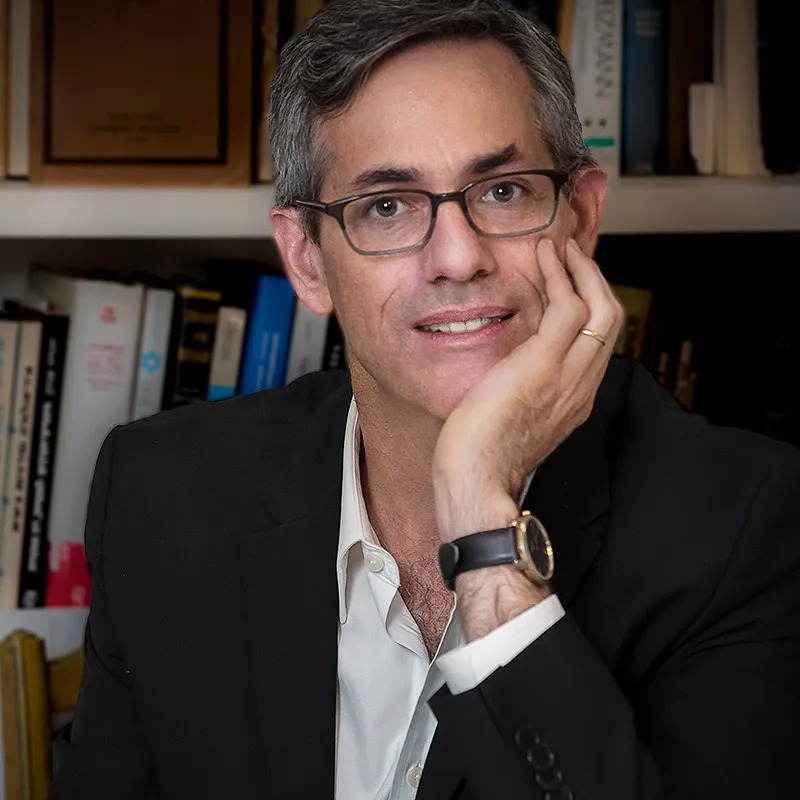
(211, 642)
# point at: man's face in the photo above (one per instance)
(436, 110)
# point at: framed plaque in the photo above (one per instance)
(142, 92)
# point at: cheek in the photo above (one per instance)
(519, 262)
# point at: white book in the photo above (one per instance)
(227, 354)
(596, 61)
(19, 87)
(307, 345)
(703, 118)
(739, 151)
(151, 356)
(9, 332)
(99, 371)
(15, 490)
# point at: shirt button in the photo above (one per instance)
(414, 775)
(374, 562)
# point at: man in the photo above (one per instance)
(311, 592)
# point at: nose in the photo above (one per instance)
(455, 251)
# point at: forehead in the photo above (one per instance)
(434, 108)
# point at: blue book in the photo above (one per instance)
(643, 86)
(269, 329)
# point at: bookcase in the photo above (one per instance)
(713, 249)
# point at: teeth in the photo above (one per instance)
(460, 327)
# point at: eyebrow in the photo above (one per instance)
(396, 174)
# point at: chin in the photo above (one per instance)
(439, 394)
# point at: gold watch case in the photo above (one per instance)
(533, 544)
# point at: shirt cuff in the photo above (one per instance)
(466, 666)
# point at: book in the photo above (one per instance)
(307, 344)
(269, 63)
(99, 373)
(595, 58)
(191, 344)
(5, 36)
(739, 151)
(688, 62)
(9, 332)
(17, 479)
(643, 86)
(267, 339)
(632, 337)
(152, 354)
(27, 732)
(16, 783)
(52, 354)
(227, 356)
(19, 85)
(141, 92)
(335, 354)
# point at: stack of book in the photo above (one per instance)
(81, 353)
(677, 87)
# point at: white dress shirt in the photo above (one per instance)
(385, 678)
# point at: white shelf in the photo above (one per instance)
(135, 212)
(679, 204)
(634, 205)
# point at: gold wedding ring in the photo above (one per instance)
(594, 335)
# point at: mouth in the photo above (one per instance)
(464, 326)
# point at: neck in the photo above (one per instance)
(397, 445)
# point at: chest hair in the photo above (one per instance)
(427, 599)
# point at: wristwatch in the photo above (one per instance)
(524, 543)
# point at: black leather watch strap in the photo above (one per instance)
(483, 549)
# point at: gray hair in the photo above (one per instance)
(323, 67)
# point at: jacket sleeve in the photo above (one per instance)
(103, 752)
(717, 716)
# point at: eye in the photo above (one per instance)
(503, 192)
(385, 207)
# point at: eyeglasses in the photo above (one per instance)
(398, 220)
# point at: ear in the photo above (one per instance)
(587, 201)
(302, 260)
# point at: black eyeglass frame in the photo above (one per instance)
(336, 208)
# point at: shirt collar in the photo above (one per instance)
(354, 524)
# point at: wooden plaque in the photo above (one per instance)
(142, 92)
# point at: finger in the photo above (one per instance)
(566, 312)
(605, 312)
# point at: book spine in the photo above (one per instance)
(596, 62)
(17, 478)
(307, 345)
(643, 83)
(227, 355)
(267, 341)
(19, 68)
(98, 382)
(9, 332)
(690, 44)
(335, 354)
(152, 355)
(35, 552)
(191, 345)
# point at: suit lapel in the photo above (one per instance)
(289, 581)
(570, 494)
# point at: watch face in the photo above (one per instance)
(540, 548)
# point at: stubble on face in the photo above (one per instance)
(434, 109)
